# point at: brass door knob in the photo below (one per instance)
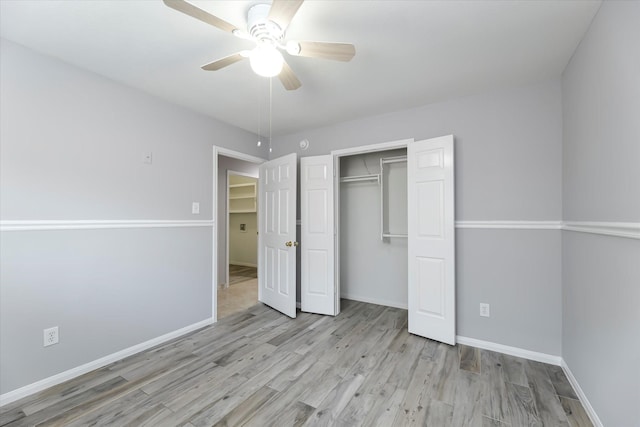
(288, 244)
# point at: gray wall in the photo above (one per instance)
(601, 274)
(228, 164)
(71, 148)
(508, 148)
(508, 167)
(518, 273)
(106, 290)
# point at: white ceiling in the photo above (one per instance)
(409, 53)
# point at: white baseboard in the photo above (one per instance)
(583, 398)
(243, 264)
(374, 301)
(27, 390)
(512, 351)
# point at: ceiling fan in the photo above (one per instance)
(266, 26)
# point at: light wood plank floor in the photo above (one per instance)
(260, 368)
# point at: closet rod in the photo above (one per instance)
(358, 178)
(397, 159)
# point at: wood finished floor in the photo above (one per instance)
(260, 368)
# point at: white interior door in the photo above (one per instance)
(432, 292)
(277, 243)
(318, 286)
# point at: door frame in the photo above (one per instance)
(248, 175)
(221, 151)
(337, 154)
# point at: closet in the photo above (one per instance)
(373, 227)
(377, 225)
(243, 221)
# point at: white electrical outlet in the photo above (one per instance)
(195, 208)
(51, 336)
(484, 310)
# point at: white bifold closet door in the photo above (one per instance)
(431, 239)
(318, 285)
(277, 235)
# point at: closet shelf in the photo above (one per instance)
(242, 197)
(359, 178)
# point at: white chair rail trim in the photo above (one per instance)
(517, 225)
(619, 229)
(98, 224)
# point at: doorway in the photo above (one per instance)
(234, 269)
(372, 242)
(240, 290)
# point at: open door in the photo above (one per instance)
(430, 174)
(318, 286)
(277, 234)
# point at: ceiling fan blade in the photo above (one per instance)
(202, 15)
(223, 62)
(288, 78)
(283, 11)
(335, 51)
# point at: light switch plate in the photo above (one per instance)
(195, 208)
(485, 310)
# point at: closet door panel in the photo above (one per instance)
(431, 241)
(430, 195)
(277, 234)
(317, 235)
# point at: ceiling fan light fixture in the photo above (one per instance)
(266, 60)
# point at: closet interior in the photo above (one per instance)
(243, 220)
(373, 227)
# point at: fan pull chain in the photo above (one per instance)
(270, 110)
(259, 116)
